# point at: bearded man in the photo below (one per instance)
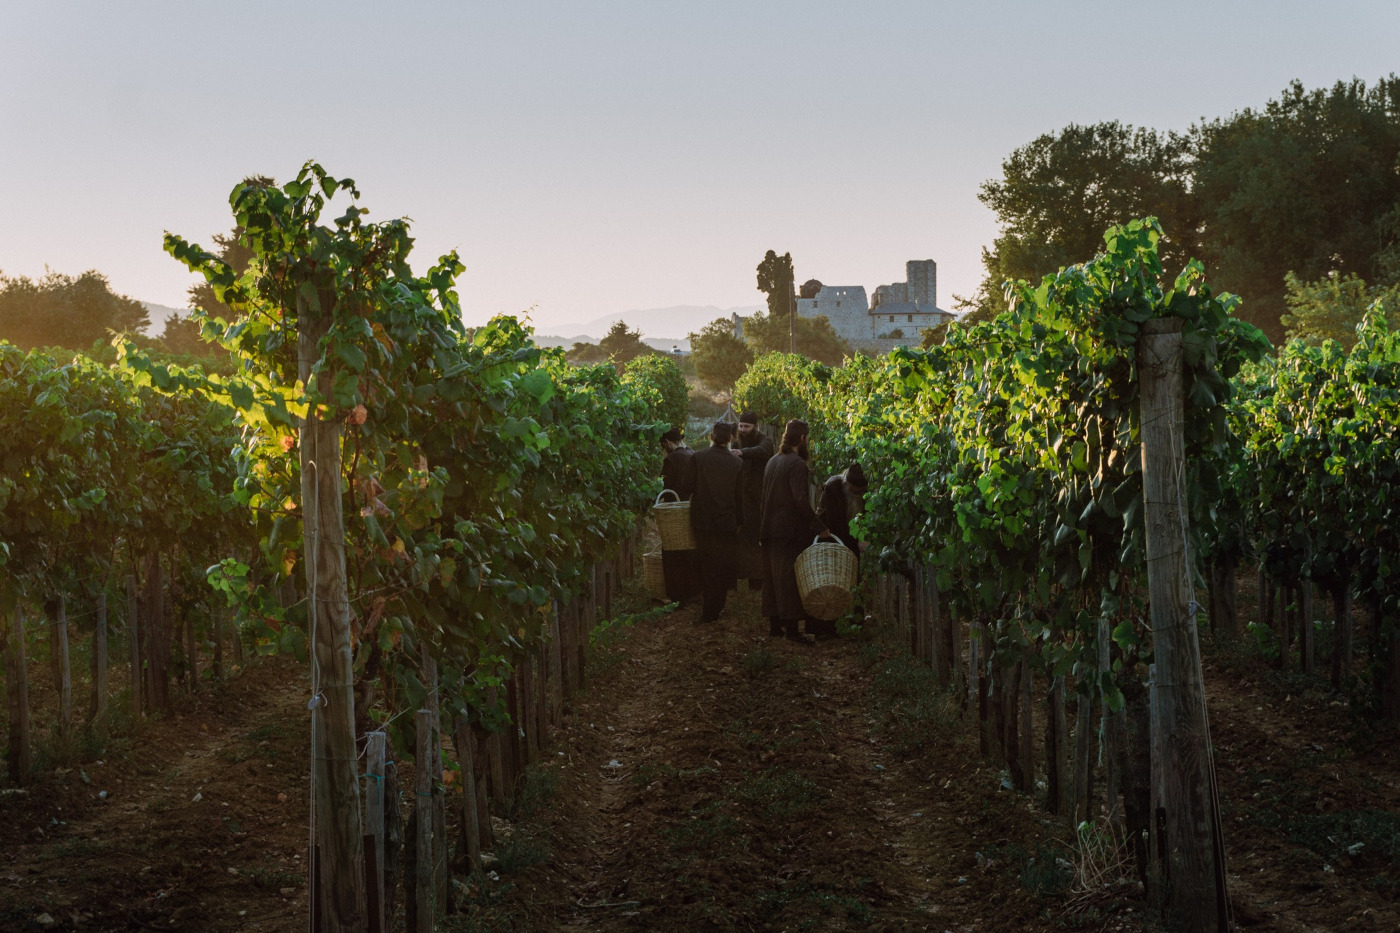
(755, 450)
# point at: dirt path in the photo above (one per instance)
(716, 779)
(202, 826)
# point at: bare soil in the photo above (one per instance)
(712, 778)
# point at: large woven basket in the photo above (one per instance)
(826, 574)
(673, 522)
(653, 576)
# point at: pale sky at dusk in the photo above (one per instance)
(590, 158)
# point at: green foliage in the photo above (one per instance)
(64, 311)
(816, 338)
(1014, 444)
(657, 381)
(1305, 185)
(482, 475)
(1331, 308)
(720, 357)
(622, 345)
(1060, 191)
(586, 353)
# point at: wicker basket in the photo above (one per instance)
(826, 574)
(653, 575)
(673, 522)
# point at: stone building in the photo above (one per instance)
(895, 317)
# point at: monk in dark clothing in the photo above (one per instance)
(842, 499)
(678, 475)
(714, 518)
(755, 450)
(787, 528)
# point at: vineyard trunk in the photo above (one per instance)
(423, 894)
(18, 754)
(1306, 646)
(133, 635)
(98, 707)
(471, 819)
(1341, 634)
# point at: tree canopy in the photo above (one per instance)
(65, 311)
(1332, 307)
(623, 345)
(1306, 185)
(816, 338)
(720, 357)
(775, 279)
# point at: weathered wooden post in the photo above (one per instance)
(1192, 878)
(376, 754)
(337, 819)
(19, 754)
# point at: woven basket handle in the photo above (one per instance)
(819, 540)
(663, 492)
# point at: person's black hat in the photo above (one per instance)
(721, 432)
(855, 476)
(748, 417)
(673, 435)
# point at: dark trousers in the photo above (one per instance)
(679, 570)
(781, 599)
(716, 554)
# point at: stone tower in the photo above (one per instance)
(922, 276)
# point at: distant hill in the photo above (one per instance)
(664, 344)
(655, 323)
(158, 315)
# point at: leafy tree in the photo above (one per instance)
(622, 345)
(1332, 307)
(775, 279)
(934, 336)
(1059, 192)
(583, 352)
(657, 379)
(63, 311)
(816, 338)
(233, 252)
(720, 357)
(1306, 185)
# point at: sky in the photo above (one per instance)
(588, 158)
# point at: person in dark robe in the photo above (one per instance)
(842, 499)
(678, 469)
(678, 568)
(714, 518)
(786, 529)
(754, 450)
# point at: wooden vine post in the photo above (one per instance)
(335, 775)
(1191, 880)
(376, 756)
